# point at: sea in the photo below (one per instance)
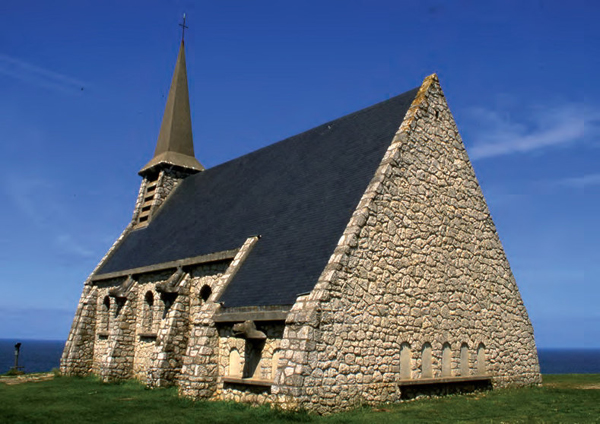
(44, 355)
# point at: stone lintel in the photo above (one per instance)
(440, 380)
(196, 260)
(257, 313)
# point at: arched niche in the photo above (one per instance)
(275, 362)
(426, 361)
(446, 360)
(235, 367)
(464, 359)
(481, 361)
(405, 361)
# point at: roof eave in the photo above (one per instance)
(175, 159)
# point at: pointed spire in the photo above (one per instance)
(175, 145)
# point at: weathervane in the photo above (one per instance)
(183, 27)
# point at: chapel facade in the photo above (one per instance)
(354, 263)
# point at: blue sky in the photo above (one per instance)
(83, 86)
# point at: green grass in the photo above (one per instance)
(562, 399)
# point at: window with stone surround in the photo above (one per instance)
(481, 365)
(405, 361)
(252, 356)
(205, 293)
(119, 304)
(104, 322)
(426, 361)
(446, 360)
(168, 299)
(148, 312)
(464, 359)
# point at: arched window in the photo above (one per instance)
(464, 359)
(481, 365)
(235, 369)
(426, 371)
(148, 317)
(105, 315)
(446, 360)
(405, 361)
(205, 293)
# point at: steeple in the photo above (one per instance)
(175, 146)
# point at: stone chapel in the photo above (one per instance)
(354, 263)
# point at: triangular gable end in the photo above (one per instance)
(419, 285)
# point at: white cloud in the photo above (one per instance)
(498, 134)
(38, 200)
(36, 75)
(580, 182)
(28, 194)
(68, 244)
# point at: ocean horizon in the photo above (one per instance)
(44, 355)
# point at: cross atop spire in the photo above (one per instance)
(183, 27)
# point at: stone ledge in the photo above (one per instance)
(196, 260)
(257, 315)
(442, 380)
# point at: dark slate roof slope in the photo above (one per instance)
(298, 194)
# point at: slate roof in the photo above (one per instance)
(298, 194)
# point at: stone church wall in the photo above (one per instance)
(80, 348)
(144, 339)
(200, 376)
(419, 285)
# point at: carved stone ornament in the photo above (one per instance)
(247, 330)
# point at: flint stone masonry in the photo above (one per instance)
(417, 297)
(420, 262)
(167, 181)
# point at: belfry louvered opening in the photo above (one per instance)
(148, 201)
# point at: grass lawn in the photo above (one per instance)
(562, 399)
